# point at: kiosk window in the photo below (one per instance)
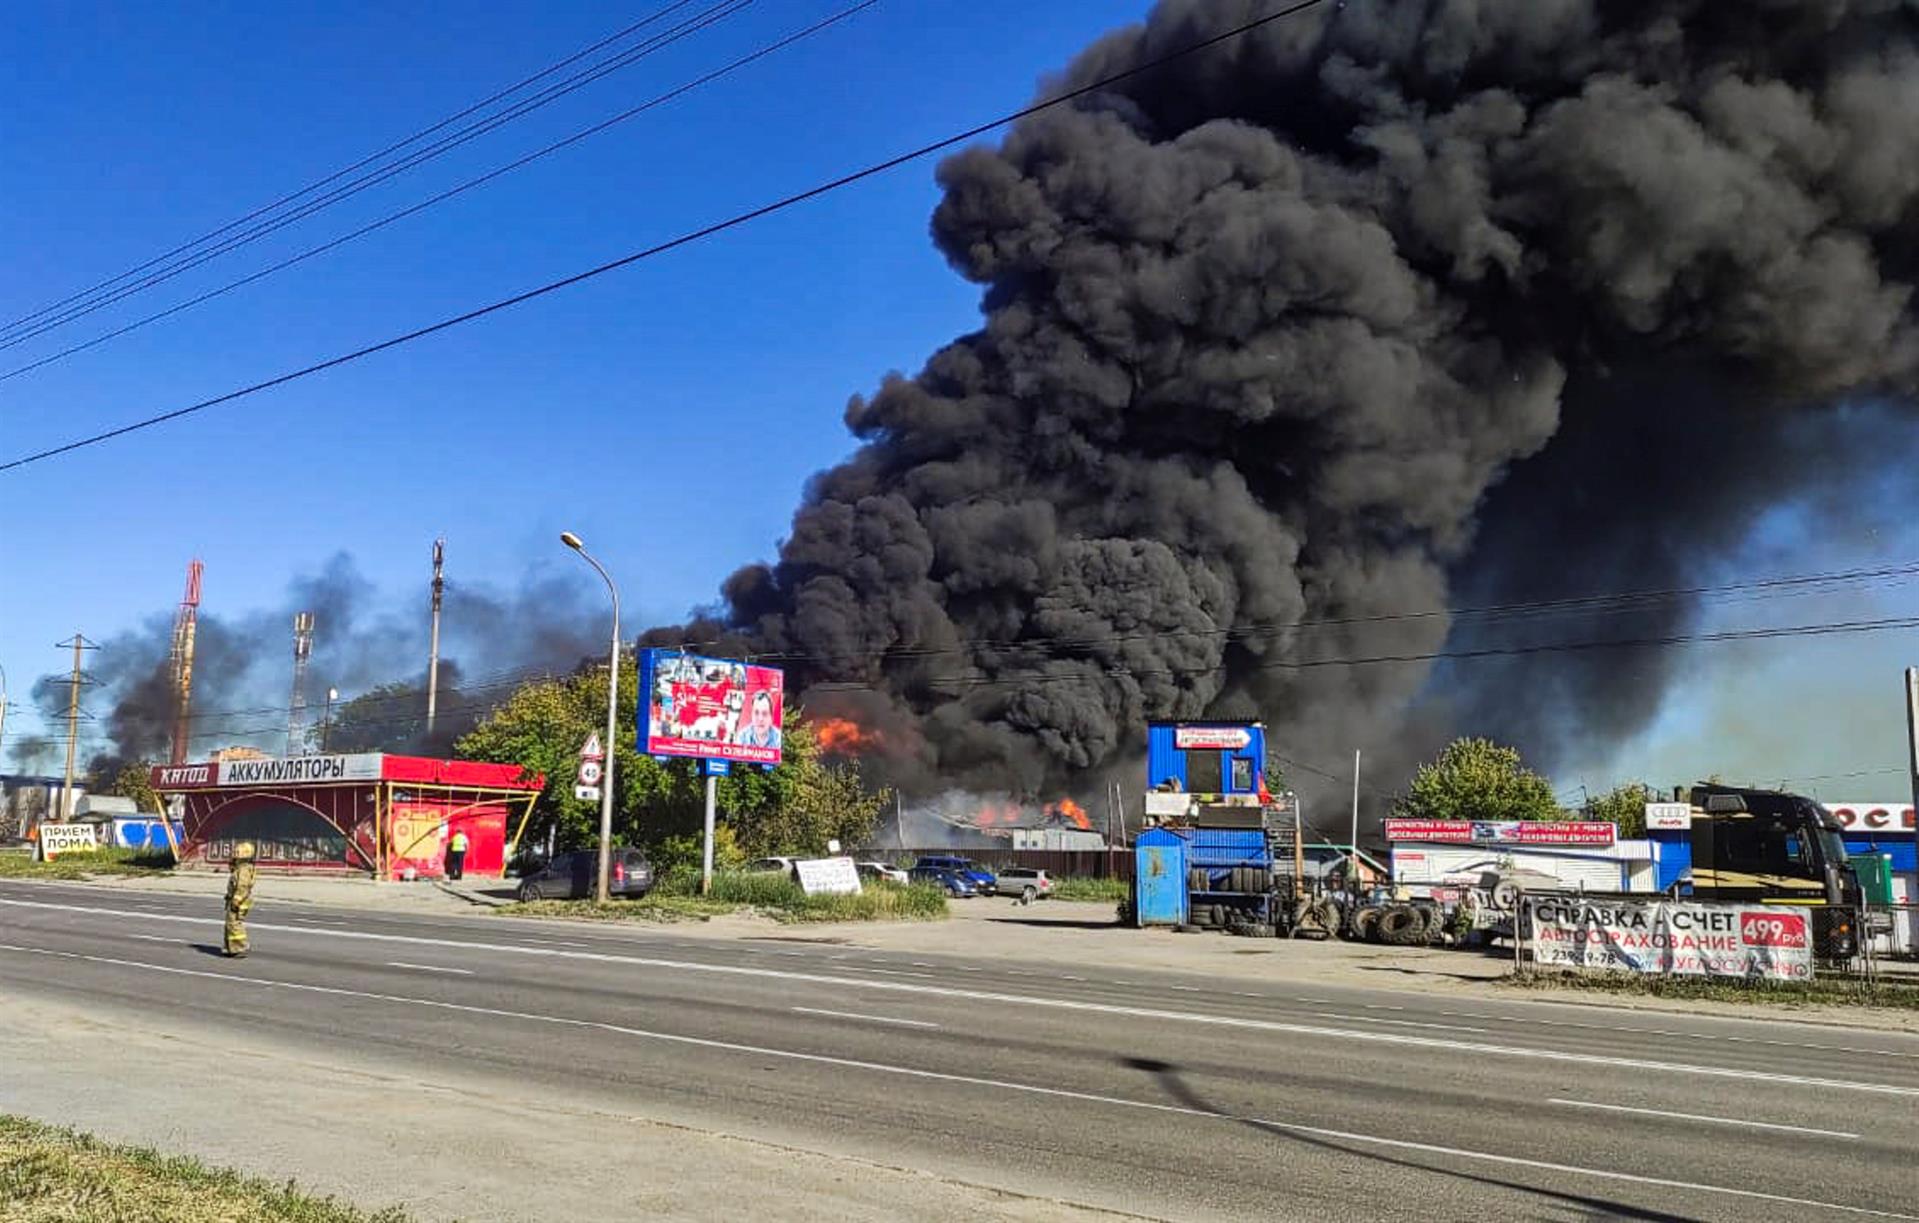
(1242, 775)
(1203, 774)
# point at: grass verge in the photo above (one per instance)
(19, 864)
(50, 1175)
(1823, 992)
(1074, 888)
(676, 898)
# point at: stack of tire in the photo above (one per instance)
(1398, 925)
(1221, 912)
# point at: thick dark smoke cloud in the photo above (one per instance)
(1383, 305)
(369, 645)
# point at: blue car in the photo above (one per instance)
(955, 884)
(984, 881)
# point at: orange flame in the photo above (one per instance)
(845, 737)
(1072, 811)
(997, 815)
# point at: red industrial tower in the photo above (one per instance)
(183, 629)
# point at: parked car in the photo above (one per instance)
(882, 872)
(1025, 882)
(955, 883)
(774, 866)
(983, 880)
(571, 876)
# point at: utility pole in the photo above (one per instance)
(433, 645)
(1912, 731)
(79, 644)
(1352, 862)
(3, 717)
(612, 739)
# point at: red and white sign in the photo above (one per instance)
(270, 773)
(1668, 817)
(1873, 817)
(1503, 832)
(1211, 738)
(1669, 938)
(591, 749)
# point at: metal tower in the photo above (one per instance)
(433, 649)
(184, 622)
(297, 707)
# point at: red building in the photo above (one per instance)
(387, 816)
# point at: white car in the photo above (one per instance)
(773, 866)
(1025, 884)
(883, 872)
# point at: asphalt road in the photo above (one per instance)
(1145, 1092)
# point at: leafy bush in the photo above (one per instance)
(677, 853)
(80, 865)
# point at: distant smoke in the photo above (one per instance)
(1381, 305)
(372, 648)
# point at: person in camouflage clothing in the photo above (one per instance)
(239, 898)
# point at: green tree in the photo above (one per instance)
(135, 781)
(1624, 805)
(385, 718)
(794, 808)
(1477, 779)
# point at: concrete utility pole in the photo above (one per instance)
(79, 644)
(433, 646)
(1912, 732)
(612, 723)
(1353, 859)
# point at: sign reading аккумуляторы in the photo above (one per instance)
(1673, 937)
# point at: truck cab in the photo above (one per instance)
(1768, 847)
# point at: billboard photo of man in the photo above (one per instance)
(761, 729)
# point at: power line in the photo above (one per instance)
(395, 147)
(441, 197)
(708, 17)
(685, 239)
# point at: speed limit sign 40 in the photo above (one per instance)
(589, 772)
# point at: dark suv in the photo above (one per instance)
(571, 876)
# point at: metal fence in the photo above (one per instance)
(1059, 863)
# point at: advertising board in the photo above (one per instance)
(1668, 817)
(57, 839)
(1503, 832)
(828, 876)
(267, 771)
(1672, 938)
(1211, 738)
(1873, 817)
(710, 708)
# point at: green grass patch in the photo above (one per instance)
(1826, 991)
(19, 864)
(653, 907)
(50, 1175)
(676, 898)
(1076, 888)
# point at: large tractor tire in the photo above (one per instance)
(1401, 926)
(1366, 924)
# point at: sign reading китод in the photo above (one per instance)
(1672, 938)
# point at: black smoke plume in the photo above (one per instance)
(1374, 308)
(372, 648)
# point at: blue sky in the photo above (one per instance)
(669, 414)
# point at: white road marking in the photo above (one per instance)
(1660, 1112)
(1410, 1023)
(154, 938)
(905, 1023)
(1185, 989)
(1279, 1127)
(1070, 977)
(463, 972)
(1737, 1040)
(906, 972)
(1407, 1039)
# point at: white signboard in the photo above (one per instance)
(828, 876)
(1673, 938)
(299, 769)
(57, 839)
(1668, 817)
(1211, 738)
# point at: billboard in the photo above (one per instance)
(1212, 738)
(1671, 937)
(1503, 832)
(710, 708)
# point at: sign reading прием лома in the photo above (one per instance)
(828, 876)
(57, 839)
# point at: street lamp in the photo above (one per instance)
(612, 710)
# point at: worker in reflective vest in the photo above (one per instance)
(456, 856)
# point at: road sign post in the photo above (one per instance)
(592, 770)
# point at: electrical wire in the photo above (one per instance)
(395, 147)
(451, 192)
(708, 17)
(685, 239)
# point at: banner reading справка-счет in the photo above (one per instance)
(1672, 937)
